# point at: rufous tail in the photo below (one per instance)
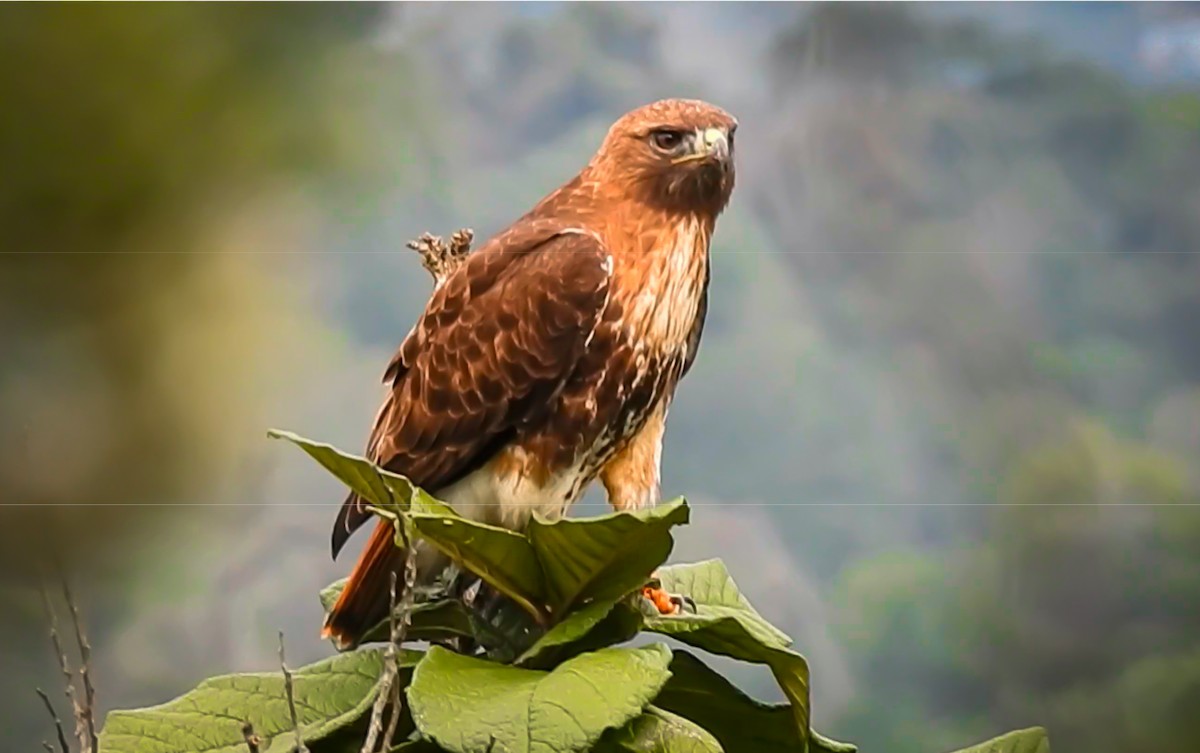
(364, 601)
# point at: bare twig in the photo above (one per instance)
(47, 747)
(85, 658)
(291, 700)
(386, 681)
(395, 638)
(62, 735)
(389, 684)
(253, 741)
(441, 258)
(68, 677)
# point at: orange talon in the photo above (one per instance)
(661, 600)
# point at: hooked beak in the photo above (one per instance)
(708, 144)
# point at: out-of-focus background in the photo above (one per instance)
(945, 423)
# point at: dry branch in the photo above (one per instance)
(253, 741)
(85, 660)
(83, 701)
(291, 699)
(62, 735)
(389, 683)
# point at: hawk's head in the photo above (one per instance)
(676, 154)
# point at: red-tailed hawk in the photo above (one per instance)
(548, 358)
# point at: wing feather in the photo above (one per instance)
(497, 340)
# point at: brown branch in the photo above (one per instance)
(441, 258)
(291, 700)
(389, 684)
(85, 659)
(68, 677)
(394, 639)
(62, 735)
(253, 741)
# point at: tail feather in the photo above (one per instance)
(365, 600)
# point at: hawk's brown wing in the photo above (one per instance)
(496, 342)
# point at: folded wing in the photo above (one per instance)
(496, 342)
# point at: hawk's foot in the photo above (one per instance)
(667, 603)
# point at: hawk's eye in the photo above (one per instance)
(666, 140)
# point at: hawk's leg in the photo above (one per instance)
(501, 627)
(631, 480)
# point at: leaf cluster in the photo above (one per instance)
(560, 681)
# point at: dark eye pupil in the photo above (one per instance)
(667, 139)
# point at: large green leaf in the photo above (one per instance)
(741, 723)
(503, 559)
(1031, 740)
(659, 731)
(606, 557)
(600, 624)
(330, 695)
(384, 489)
(469, 705)
(725, 623)
(412, 746)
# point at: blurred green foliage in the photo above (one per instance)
(144, 273)
(161, 164)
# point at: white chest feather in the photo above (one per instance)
(508, 498)
(671, 285)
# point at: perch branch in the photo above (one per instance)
(441, 258)
(253, 741)
(291, 698)
(62, 735)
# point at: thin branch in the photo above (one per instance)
(395, 639)
(253, 741)
(47, 747)
(389, 685)
(287, 685)
(386, 681)
(85, 659)
(68, 677)
(62, 735)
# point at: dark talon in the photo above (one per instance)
(681, 602)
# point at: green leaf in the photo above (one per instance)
(412, 746)
(469, 705)
(740, 723)
(658, 731)
(384, 489)
(330, 695)
(818, 743)
(1031, 740)
(502, 558)
(606, 557)
(597, 625)
(726, 624)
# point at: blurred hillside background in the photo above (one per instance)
(946, 419)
